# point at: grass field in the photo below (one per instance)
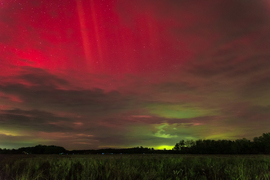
(137, 167)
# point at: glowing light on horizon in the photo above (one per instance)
(164, 147)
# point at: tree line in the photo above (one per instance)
(43, 149)
(39, 149)
(259, 145)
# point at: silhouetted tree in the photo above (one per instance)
(189, 143)
(176, 147)
(182, 144)
(240, 146)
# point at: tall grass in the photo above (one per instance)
(129, 167)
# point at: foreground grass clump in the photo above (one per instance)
(116, 167)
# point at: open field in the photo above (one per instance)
(97, 167)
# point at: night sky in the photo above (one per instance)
(91, 74)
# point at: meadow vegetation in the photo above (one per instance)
(129, 167)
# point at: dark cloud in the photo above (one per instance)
(261, 113)
(229, 65)
(44, 89)
(34, 120)
(41, 78)
(94, 102)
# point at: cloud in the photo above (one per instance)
(229, 65)
(34, 120)
(41, 78)
(249, 113)
(40, 89)
(257, 86)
